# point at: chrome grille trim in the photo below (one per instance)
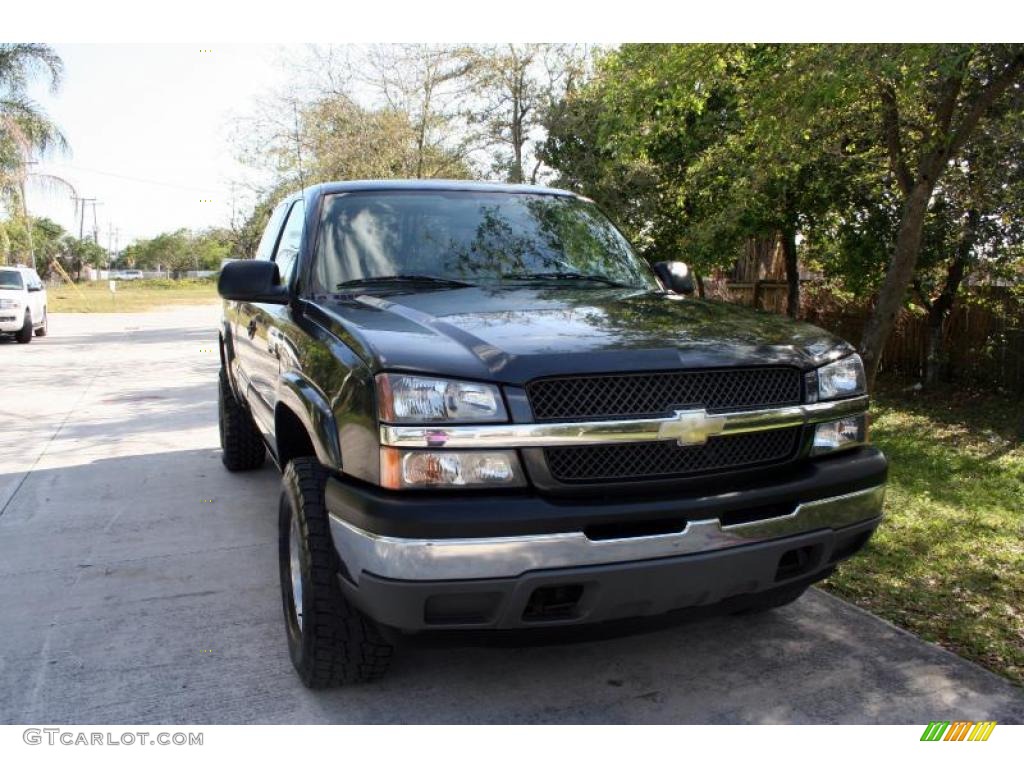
(692, 427)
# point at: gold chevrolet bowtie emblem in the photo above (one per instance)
(691, 427)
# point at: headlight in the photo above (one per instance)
(449, 469)
(844, 433)
(417, 399)
(843, 378)
(9, 304)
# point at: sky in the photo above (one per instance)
(149, 132)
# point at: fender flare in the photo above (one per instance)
(227, 358)
(299, 395)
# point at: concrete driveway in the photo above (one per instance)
(138, 583)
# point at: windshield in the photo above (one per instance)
(10, 280)
(471, 237)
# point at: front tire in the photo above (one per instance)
(24, 336)
(240, 439)
(330, 642)
(43, 329)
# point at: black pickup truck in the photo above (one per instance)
(490, 414)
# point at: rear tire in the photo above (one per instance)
(24, 336)
(330, 642)
(43, 329)
(240, 439)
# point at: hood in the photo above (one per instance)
(516, 334)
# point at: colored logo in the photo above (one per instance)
(958, 730)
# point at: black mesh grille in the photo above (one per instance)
(667, 459)
(654, 394)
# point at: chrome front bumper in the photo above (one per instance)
(511, 556)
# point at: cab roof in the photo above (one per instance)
(424, 185)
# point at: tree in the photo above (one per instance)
(335, 138)
(828, 136)
(975, 222)
(245, 233)
(181, 251)
(24, 128)
(76, 254)
(914, 109)
(666, 130)
(210, 247)
(514, 86)
(169, 251)
(427, 84)
(930, 107)
(46, 240)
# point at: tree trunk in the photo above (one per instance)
(897, 278)
(792, 273)
(940, 308)
(933, 361)
(516, 172)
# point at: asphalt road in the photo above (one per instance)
(138, 584)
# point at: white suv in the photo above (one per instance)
(22, 303)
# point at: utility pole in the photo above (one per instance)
(83, 201)
(95, 224)
(110, 244)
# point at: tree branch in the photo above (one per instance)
(993, 91)
(891, 128)
(922, 294)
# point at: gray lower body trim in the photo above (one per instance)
(488, 558)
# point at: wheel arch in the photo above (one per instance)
(304, 424)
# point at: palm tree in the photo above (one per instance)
(25, 129)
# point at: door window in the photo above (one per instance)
(291, 239)
(269, 239)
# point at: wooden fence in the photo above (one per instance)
(984, 334)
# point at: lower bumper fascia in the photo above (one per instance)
(560, 599)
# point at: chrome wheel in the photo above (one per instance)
(295, 569)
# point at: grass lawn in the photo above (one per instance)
(131, 296)
(948, 561)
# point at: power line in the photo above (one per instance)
(138, 179)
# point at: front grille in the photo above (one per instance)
(609, 396)
(667, 459)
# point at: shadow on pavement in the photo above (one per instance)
(144, 589)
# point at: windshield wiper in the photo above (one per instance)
(567, 276)
(403, 279)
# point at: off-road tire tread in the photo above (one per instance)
(241, 442)
(346, 647)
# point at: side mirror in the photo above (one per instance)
(675, 275)
(33, 287)
(254, 281)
